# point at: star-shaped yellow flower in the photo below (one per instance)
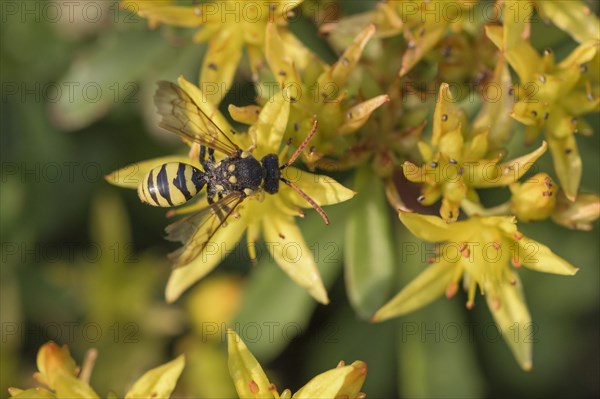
(550, 95)
(479, 251)
(457, 163)
(65, 380)
(251, 381)
(271, 216)
(229, 27)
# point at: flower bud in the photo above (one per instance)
(579, 214)
(534, 199)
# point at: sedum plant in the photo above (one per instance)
(377, 116)
(403, 115)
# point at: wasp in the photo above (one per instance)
(228, 181)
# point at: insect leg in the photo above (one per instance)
(202, 157)
(211, 154)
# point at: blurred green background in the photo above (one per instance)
(84, 263)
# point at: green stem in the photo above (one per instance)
(474, 209)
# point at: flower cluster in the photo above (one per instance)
(63, 379)
(376, 114)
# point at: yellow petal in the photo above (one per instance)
(358, 115)
(451, 144)
(567, 164)
(281, 64)
(508, 172)
(58, 371)
(424, 289)
(445, 116)
(422, 44)
(70, 387)
(579, 214)
(271, 124)
(187, 17)
(322, 189)
(517, 50)
(516, 23)
(33, 393)
(339, 72)
(247, 115)
(52, 361)
(478, 146)
(340, 382)
(222, 243)
(248, 377)
(158, 382)
(494, 116)
(582, 54)
(287, 247)
(539, 257)
(507, 305)
(219, 64)
(573, 17)
(131, 175)
(426, 227)
(201, 101)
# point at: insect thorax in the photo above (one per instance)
(236, 174)
(272, 172)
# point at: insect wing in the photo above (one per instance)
(196, 230)
(182, 116)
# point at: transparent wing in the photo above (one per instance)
(182, 116)
(196, 230)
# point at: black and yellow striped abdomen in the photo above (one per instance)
(171, 184)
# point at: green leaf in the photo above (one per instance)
(105, 77)
(436, 356)
(158, 382)
(369, 253)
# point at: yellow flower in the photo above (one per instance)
(229, 27)
(534, 199)
(251, 381)
(423, 24)
(58, 371)
(572, 16)
(271, 216)
(550, 95)
(325, 92)
(579, 214)
(479, 251)
(457, 163)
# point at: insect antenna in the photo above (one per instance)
(295, 155)
(312, 202)
(299, 150)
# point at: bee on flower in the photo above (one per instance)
(250, 197)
